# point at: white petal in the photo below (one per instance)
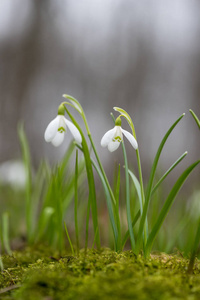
(131, 138)
(112, 146)
(108, 136)
(58, 139)
(62, 123)
(74, 131)
(51, 130)
(118, 133)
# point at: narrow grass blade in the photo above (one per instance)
(197, 238)
(69, 186)
(116, 195)
(195, 117)
(128, 206)
(109, 204)
(168, 171)
(76, 202)
(94, 240)
(87, 225)
(139, 191)
(27, 165)
(39, 189)
(126, 236)
(91, 182)
(102, 170)
(43, 222)
(67, 157)
(57, 192)
(5, 232)
(194, 249)
(110, 198)
(167, 206)
(150, 183)
(69, 240)
(137, 187)
(1, 264)
(182, 224)
(117, 188)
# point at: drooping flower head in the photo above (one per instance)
(57, 128)
(112, 138)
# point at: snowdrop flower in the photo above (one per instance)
(56, 129)
(112, 138)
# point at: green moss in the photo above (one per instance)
(98, 275)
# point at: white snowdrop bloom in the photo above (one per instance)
(112, 138)
(56, 130)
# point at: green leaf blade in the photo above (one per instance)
(168, 172)
(195, 118)
(150, 183)
(167, 205)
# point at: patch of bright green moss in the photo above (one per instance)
(98, 275)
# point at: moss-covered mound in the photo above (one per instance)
(32, 275)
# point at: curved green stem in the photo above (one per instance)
(110, 191)
(128, 206)
(91, 183)
(142, 192)
(76, 202)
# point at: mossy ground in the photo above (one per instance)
(39, 274)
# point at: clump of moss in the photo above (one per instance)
(101, 274)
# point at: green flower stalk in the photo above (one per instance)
(130, 122)
(112, 139)
(91, 183)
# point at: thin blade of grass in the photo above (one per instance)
(87, 226)
(168, 171)
(69, 240)
(138, 190)
(5, 232)
(117, 188)
(128, 206)
(76, 202)
(1, 264)
(194, 249)
(67, 157)
(69, 184)
(195, 117)
(126, 236)
(94, 240)
(91, 182)
(150, 183)
(38, 192)
(43, 222)
(109, 204)
(102, 170)
(27, 165)
(137, 187)
(167, 205)
(1, 261)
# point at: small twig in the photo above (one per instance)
(9, 288)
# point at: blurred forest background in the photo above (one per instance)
(143, 56)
